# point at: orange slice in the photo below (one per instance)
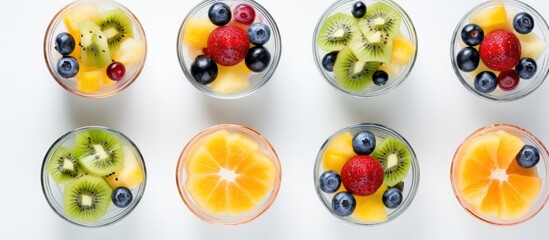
(228, 174)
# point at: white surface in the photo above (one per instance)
(297, 110)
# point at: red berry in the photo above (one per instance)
(115, 71)
(244, 13)
(228, 45)
(508, 80)
(500, 50)
(362, 175)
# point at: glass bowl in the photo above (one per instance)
(397, 68)
(234, 81)
(336, 151)
(132, 176)
(128, 47)
(242, 167)
(539, 171)
(533, 46)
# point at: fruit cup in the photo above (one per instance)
(499, 174)
(95, 48)
(93, 176)
(228, 49)
(366, 174)
(365, 48)
(228, 174)
(498, 50)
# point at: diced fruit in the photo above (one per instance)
(468, 59)
(380, 17)
(328, 61)
(89, 81)
(258, 58)
(259, 33)
(67, 67)
(86, 198)
(380, 78)
(491, 19)
(130, 53)
(371, 208)
(121, 197)
(392, 198)
(500, 50)
(228, 174)
(532, 45)
(204, 70)
(396, 159)
(228, 45)
(196, 32)
(486, 82)
(116, 27)
(343, 204)
(64, 43)
(219, 14)
(392, 69)
(329, 181)
(338, 152)
(523, 23)
(231, 80)
(364, 143)
(472, 34)
(528, 156)
(63, 165)
(244, 13)
(94, 46)
(99, 151)
(336, 32)
(526, 68)
(508, 80)
(130, 176)
(362, 175)
(116, 71)
(359, 9)
(78, 14)
(352, 73)
(403, 50)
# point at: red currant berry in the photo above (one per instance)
(244, 14)
(115, 71)
(508, 80)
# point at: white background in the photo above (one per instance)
(297, 110)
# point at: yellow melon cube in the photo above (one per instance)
(231, 79)
(89, 80)
(196, 32)
(130, 53)
(130, 176)
(78, 14)
(491, 19)
(403, 49)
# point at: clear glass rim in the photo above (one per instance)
(414, 167)
(187, 199)
(48, 38)
(46, 187)
(267, 74)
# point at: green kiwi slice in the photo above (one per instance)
(395, 159)
(375, 47)
(87, 198)
(381, 17)
(352, 73)
(116, 26)
(95, 50)
(99, 152)
(63, 165)
(336, 32)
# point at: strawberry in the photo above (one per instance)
(228, 45)
(362, 175)
(500, 50)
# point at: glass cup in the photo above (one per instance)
(92, 191)
(336, 152)
(533, 195)
(231, 81)
(533, 46)
(398, 66)
(105, 61)
(228, 174)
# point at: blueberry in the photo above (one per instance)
(121, 197)
(486, 82)
(67, 67)
(380, 77)
(472, 34)
(526, 68)
(330, 182)
(364, 143)
(359, 9)
(204, 69)
(468, 59)
(258, 58)
(328, 61)
(528, 156)
(220, 14)
(343, 204)
(523, 23)
(64, 43)
(259, 33)
(392, 198)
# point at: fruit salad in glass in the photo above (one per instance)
(498, 50)
(228, 174)
(228, 49)
(365, 48)
(93, 176)
(95, 48)
(366, 174)
(499, 174)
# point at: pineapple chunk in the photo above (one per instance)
(532, 45)
(403, 49)
(78, 14)
(130, 53)
(231, 79)
(89, 80)
(491, 19)
(371, 208)
(130, 176)
(392, 69)
(196, 32)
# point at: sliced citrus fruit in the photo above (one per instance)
(338, 151)
(228, 174)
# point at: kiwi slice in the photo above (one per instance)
(395, 159)
(382, 18)
(352, 73)
(95, 50)
(375, 47)
(87, 198)
(63, 166)
(99, 152)
(336, 32)
(116, 26)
